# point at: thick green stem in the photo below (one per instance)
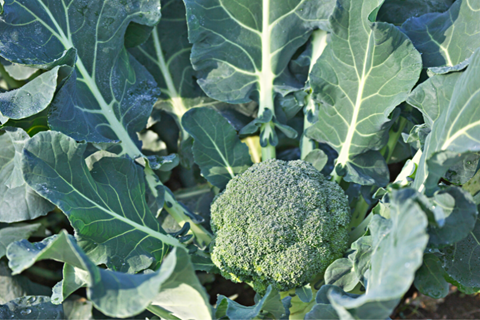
(268, 152)
(162, 313)
(336, 177)
(267, 133)
(359, 212)
(307, 144)
(395, 134)
(360, 230)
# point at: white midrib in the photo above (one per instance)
(266, 76)
(319, 42)
(128, 145)
(459, 133)
(160, 236)
(177, 101)
(344, 154)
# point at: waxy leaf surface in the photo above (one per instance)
(455, 118)
(115, 294)
(366, 70)
(398, 246)
(18, 202)
(216, 148)
(448, 38)
(110, 95)
(106, 206)
(241, 49)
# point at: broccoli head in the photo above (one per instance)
(279, 223)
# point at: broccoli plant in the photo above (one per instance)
(279, 223)
(324, 154)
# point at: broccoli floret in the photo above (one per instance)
(279, 223)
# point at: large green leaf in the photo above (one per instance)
(182, 294)
(14, 233)
(366, 70)
(397, 11)
(430, 278)
(461, 262)
(166, 54)
(216, 148)
(460, 216)
(30, 99)
(433, 96)
(398, 246)
(241, 49)
(18, 201)
(115, 294)
(446, 39)
(109, 96)
(106, 207)
(455, 128)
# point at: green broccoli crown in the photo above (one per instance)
(279, 223)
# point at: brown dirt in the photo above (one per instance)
(455, 306)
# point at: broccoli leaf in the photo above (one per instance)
(398, 246)
(166, 54)
(18, 202)
(216, 147)
(397, 11)
(270, 302)
(78, 308)
(14, 233)
(110, 95)
(458, 261)
(31, 98)
(457, 124)
(115, 294)
(183, 285)
(366, 70)
(448, 38)
(430, 278)
(14, 287)
(17, 71)
(242, 52)
(106, 206)
(460, 212)
(31, 307)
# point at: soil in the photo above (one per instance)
(455, 306)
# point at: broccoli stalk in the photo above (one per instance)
(279, 223)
